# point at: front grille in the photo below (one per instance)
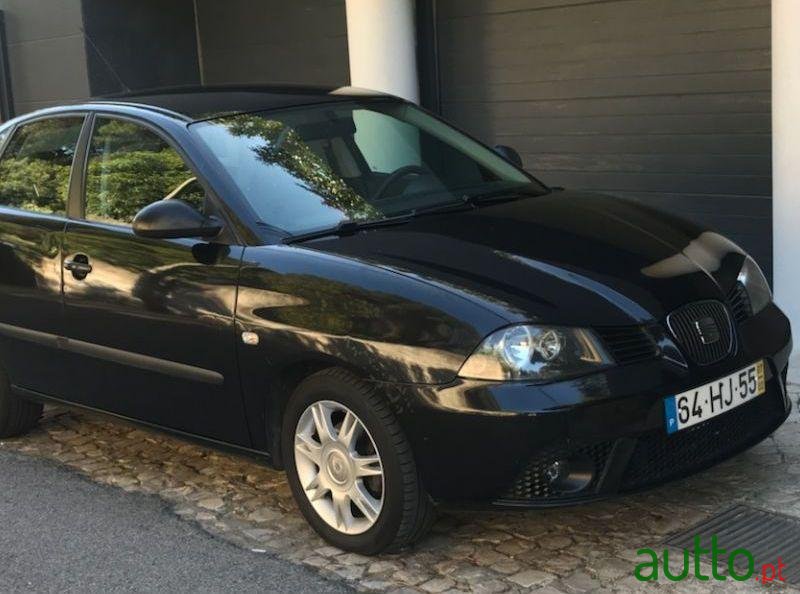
(658, 457)
(628, 344)
(532, 484)
(739, 302)
(704, 331)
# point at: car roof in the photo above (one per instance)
(199, 103)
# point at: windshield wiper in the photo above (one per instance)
(506, 195)
(349, 228)
(467, 202)
(442, 207)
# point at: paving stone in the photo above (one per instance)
(376, 585)
(554, 542)
(507, 566)
(327, 551)
(382, 567)
(491, 586)
(353, 559)
(513, 547)
(212, 503)
(205, 516)
(437, 585)
(561, 563)
(412, 578)
(549, 589)
(264, 514)
(612, 569)
(580, 581)
(487, 556)
(530, 578)
(349, 572)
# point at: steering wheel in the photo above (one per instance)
(397, 175)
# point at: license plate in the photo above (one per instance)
(714, 398)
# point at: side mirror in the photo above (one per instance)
(509, 154)
(173, 219)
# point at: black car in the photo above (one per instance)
(340, 282)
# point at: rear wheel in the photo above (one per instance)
(350, 467)
(17, 416)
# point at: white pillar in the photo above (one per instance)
(786, 164)
(381, 40)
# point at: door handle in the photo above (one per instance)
(79, 266)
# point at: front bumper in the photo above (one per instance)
(489, 442)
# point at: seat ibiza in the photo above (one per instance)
(345, 285)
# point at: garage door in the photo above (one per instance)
(662, 101)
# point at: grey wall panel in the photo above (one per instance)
(274, 41)
(662, 101)
(46, 53)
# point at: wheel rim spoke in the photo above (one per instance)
(368, 466)
(342, 511)
(305, 445)
(350, 427)
(316, 490)
(322, 421)
(364, 501)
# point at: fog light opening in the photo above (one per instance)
(570, 475)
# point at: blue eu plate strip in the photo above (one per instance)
(670, 415)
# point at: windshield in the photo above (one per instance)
(311, 168)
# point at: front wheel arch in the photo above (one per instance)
(288, 380)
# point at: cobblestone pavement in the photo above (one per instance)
(579, 549)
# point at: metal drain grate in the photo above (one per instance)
(766, 535)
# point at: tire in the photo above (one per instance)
(406, 512)
(17, 416)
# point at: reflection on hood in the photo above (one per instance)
(707, 252)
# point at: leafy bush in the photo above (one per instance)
(121, 184)
(34, 184)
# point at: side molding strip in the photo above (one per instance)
(88, 349)
(224, 445)
(42, 338)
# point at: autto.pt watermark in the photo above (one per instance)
(738, 564)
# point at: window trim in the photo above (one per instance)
(9, 133)
(76, 178)
(229, 234)
(13, 129)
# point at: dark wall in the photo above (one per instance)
(274, 41)
(149, 43)
(663, 101)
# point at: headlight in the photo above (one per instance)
(755, 284)
(537, 353)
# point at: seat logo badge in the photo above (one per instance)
(250, 338)
(707, 330)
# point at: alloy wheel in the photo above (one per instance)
(339, 467)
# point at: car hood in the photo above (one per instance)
(560, 258)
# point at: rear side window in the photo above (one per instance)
(130, 167)
(35, 167)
